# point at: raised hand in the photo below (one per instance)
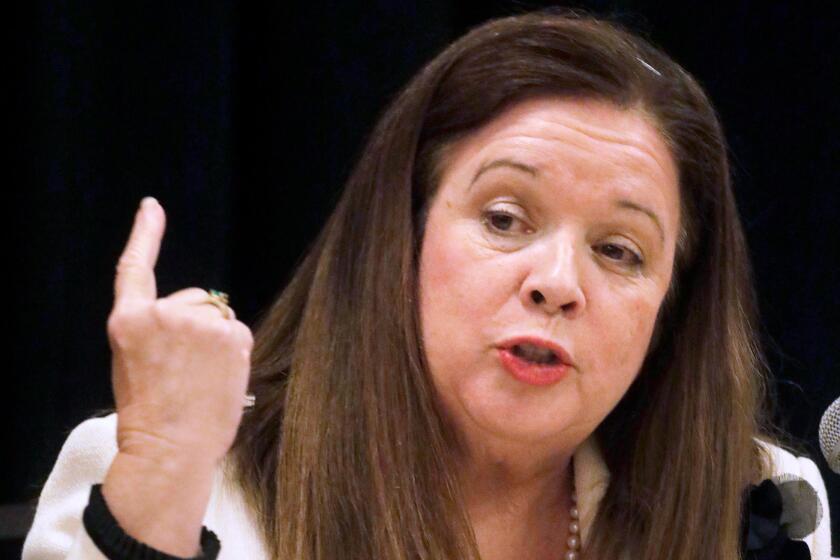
(179, 373)
(179, 368)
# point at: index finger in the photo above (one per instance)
(136, 267)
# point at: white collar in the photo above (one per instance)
(592, 477)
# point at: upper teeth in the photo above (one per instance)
(534, 352)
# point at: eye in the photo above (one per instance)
(499, 221)
(623, 254)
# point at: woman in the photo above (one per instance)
(526, 331)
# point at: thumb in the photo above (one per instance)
(135, 277)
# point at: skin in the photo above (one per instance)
(568, 241)
(179, 372)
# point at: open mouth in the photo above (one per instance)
(535, 366)
(535, 354)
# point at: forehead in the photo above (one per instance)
(597, 136)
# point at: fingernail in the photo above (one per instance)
(148, 202)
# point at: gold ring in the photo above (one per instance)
(220, 300)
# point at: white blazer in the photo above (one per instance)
(57, 531)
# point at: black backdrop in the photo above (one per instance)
(244, 121)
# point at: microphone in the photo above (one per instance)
(830, 435)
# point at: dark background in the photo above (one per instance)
(244, 121)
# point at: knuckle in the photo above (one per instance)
(208, 327)
(123, 322)
(221, 330)
(115, 319)
(165, 315)
(116, 327)
(245, 334)
(128, 260)
(195, 292)
(161, 310)
(186, 293)
(191, 320)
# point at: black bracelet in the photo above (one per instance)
(114, 543)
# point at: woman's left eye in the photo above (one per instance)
(620, 251)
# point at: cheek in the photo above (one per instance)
(460, 287)
(458, 283)
(622, 342)
(442, 293)
(440, 289)
(439, 282)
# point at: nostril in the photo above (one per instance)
(537, 297)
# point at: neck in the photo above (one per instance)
(518, 504)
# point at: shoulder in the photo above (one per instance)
(84, 460)
(87, 452)
(57, 531)
(785, 463)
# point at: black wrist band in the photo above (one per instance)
(114, 543)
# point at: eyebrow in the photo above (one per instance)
(487, 166)
(534, 172)
(630, 205)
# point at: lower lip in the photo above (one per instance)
(531, 373)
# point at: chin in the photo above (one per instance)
(513, 418)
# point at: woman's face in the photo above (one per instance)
(558, 220)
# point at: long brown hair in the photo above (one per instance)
(347, 454)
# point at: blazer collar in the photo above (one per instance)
(591, 481)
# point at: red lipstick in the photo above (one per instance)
(531, 372)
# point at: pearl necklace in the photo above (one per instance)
(573, 541)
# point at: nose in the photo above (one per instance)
(553, 281)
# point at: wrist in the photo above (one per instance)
(160, 499)
(112, 540)
(166, 460)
